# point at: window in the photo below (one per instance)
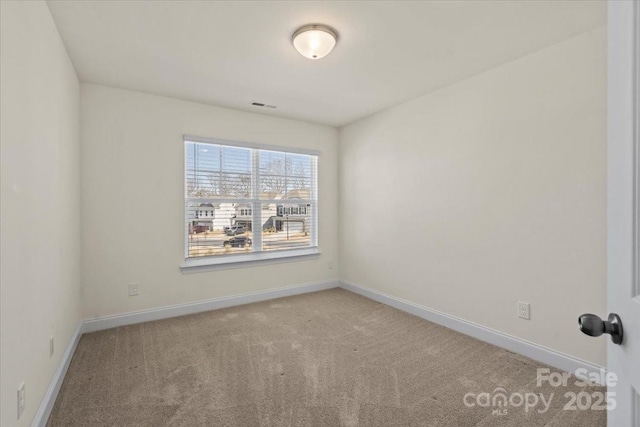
(243, 201)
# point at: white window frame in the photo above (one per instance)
(216, 262)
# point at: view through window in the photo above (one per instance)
(243, 199)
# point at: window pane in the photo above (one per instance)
(272, 174)
(298, 176)
(285, 175)
(217, 171)
(285, 226)
(225, 192)
(218, 229)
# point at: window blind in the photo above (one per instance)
(247, 199)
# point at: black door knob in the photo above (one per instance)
(594, 326)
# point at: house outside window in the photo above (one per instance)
(247, 199)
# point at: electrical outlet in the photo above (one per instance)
(51, 346)
(524, 310)
(21, 400)
(330, 265)
(133, 289)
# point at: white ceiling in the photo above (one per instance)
(233, 53)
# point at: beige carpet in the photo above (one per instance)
(330, 358)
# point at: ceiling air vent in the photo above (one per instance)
(263, 105)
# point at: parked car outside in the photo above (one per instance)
(234, 229)
(237, 242)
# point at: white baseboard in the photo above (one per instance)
(114, 321)
(46, 405)
(533, 351)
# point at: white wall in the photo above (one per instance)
(132, 174)
(487, 192)
(40, 203)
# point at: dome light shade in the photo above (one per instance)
(314, 41)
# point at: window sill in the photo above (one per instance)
(224, 262)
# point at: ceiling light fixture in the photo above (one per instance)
(315, 41)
